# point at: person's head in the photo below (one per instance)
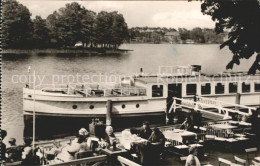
(27, 141)
(56, 143)
(156, 131)
(83, 132)
(12, 141)
(146, 125)
(81, 139)
(3, 134)
(193, 150)
(109, 130)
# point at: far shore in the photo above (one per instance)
(96, 50)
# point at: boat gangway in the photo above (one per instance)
(210, 108)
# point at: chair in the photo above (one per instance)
(80, 155)
(224, 161)
(249, 151)
(239, 160)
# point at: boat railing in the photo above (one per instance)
(92, 90)
(199, 106)
(217, 103)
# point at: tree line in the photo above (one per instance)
(157, 35)
(61, 29)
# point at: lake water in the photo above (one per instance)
(146, 56)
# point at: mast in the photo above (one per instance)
(34, 79)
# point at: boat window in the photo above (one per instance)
(74, 106)
(137, 105)
(219, 88)
(257, 87)
(205, 89)
(233, 87)
(245, 87)
(123, 106)
(91, 107)
(157, 90)
(191, 89)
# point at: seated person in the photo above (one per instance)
(192, 159)
(84, 133)
(155, 146)
(110, 137)
(157, 138)
(187, 124)
(55, 150)
(146, 131)
(76, 147)
(13, 153)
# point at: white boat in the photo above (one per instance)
(140, 96)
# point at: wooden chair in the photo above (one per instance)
(224, 161)
(239, 160)
(249, 151)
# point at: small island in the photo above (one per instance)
(75, 29)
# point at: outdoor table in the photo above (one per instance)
(177, 134)
(128, 142)
(223, 127)
(112, 154)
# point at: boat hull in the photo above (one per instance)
(51, 127)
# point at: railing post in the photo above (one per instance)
(174, 105)
(249, 111)
(196, 106)
(109, 113)
(219, 109)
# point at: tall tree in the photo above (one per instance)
(71, 24)
(119, 29)
(41, 38)
(197, 35)
(16, 25)
(103, 28)
(242, 19)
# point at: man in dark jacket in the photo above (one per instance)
(146, 131)
(156, 146)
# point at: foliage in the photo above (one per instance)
(16, 25)
(63, 28)
(241, 18)
(157, 35)
(41, 38)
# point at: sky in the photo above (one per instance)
(170, 14)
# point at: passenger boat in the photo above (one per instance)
(134, 99)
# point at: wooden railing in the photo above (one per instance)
(125, 162)
(198, 105)
(95, 161)
(217, 103)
